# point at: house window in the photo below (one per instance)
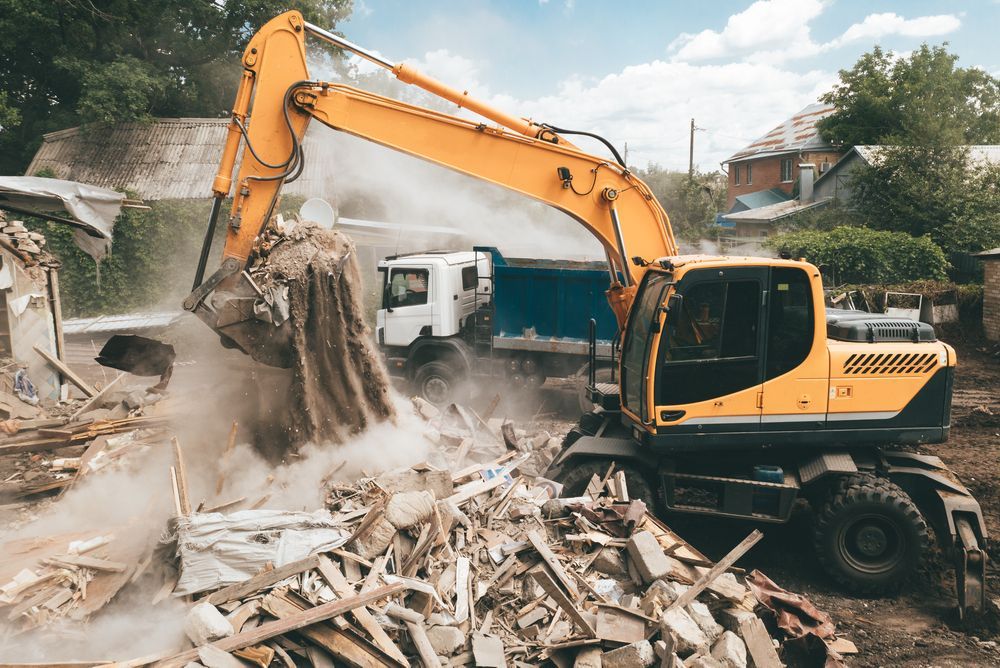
(736, 175)
(786, 170)
(749, 173)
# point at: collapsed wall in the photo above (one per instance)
(339, 386)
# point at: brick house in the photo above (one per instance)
(772, 161)
(991, 293)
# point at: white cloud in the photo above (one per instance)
(761, 26)
(775, 31)
(650, 105)
(876, 26)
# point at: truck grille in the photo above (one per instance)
(882, 364)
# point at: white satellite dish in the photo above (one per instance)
(318, 210)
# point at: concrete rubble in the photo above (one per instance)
(465, 560)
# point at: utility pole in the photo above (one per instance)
(691, 153)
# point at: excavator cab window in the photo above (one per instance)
(713, 349)
(789, 320)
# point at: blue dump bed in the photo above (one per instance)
(557, 298)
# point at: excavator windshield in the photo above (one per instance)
(643, 324)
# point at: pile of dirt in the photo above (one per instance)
(340, 386)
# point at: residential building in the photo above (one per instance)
(771, 162)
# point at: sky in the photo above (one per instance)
(638, 72)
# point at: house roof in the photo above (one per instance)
(773, 212)
(760, 198)
(796, 134)
(168, 158)
(993, 253)
(870, 153)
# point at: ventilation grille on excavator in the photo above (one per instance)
(871, 364)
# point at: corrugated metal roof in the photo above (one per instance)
(796, 134)
(772, 212)
(122, 323)
(760, 198)
(169, 158)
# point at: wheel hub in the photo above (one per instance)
(436, 390)
(872, 541)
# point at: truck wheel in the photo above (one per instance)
(870, 536)
(435, 382)
(576, 476)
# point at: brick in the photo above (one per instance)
(730, 650)
(688, 637)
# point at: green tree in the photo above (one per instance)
(691, 203)
(67, 62)
(925, 99)
(940, 191)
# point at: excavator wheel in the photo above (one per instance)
(869, 535)
(577, 476)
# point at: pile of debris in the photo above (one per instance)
(466, 560)
(14, 236)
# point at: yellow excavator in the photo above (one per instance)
(738, 393)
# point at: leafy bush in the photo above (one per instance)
(862, 255)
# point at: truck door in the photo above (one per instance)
(408, 302)
(796, 367)
(710, 354)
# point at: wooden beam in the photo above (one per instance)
(243, 589)
(182, 485)
(96, 399)
(553, 563)
(64, 369)
(294, 622)
(559, 596)
(715, 571)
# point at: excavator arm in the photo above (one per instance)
(277, 100)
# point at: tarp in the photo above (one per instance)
(92, 209)
(214, 550)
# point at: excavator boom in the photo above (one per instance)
(277, 100)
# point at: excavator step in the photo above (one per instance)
(605, 395)
(730, 497)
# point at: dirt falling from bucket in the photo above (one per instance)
(340, 386)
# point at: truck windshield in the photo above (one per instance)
(638, 335)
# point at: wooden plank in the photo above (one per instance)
(414, 622)
(341, 643)
(64, 369)
(89, 562)
(759, 643)
(230, 444)
(715, 571)
(57, 318)
(552, 589)
(294, 622)
(553, 563)
(338, 582)
(182, 486)
(97, 398)
(241, 590)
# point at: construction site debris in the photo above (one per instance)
(472, 565)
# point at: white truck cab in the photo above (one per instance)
(429, 294)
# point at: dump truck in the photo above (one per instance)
(451, 317)
(735, 395)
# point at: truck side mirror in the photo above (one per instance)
(674, 307)
(387, 297)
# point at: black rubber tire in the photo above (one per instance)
(436, 383)
(576, 476)
(870, 536)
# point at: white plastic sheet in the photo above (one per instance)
(214, 550)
